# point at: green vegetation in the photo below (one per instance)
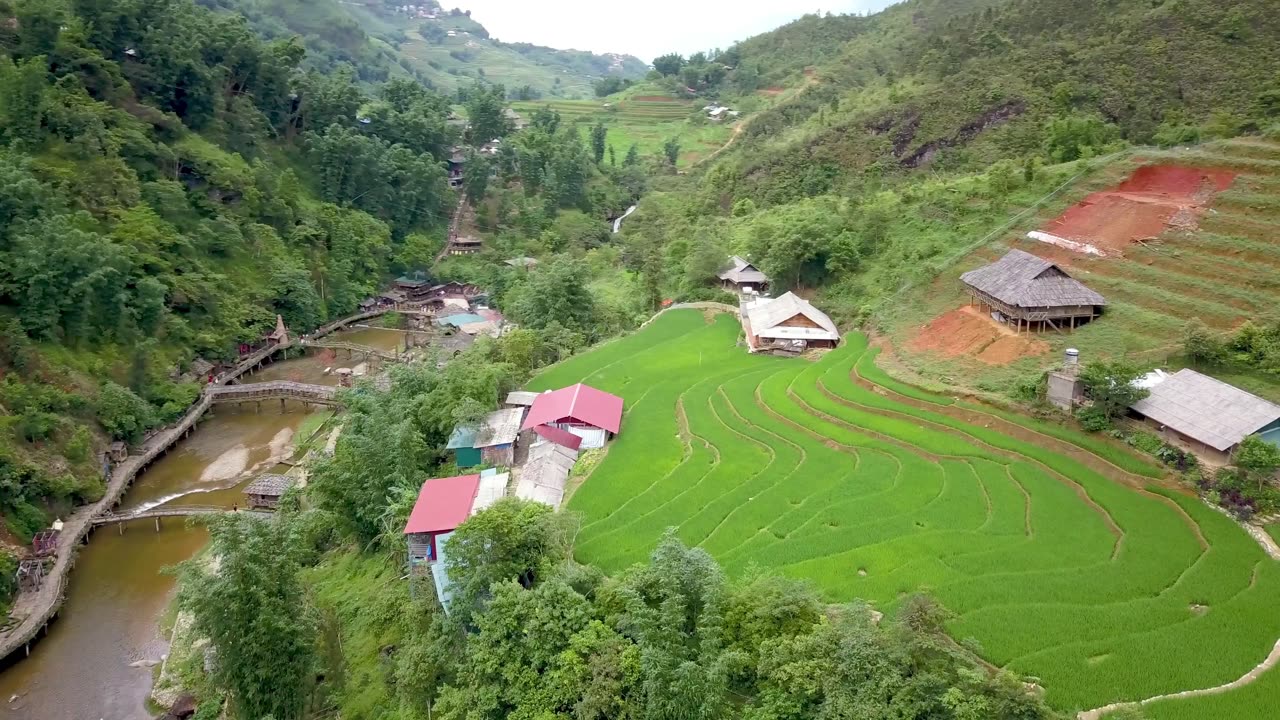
(1057, 566)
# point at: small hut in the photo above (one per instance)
(492, 442)
(45, 542)
(265, 492)
(1031, 293)
(742, 276)
(118, 452)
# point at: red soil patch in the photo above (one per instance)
(1153, 199)
(965, 331)
(654, 98)
(771, 91)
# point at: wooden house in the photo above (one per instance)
(492, 442)
(416, 286)
(788, 324)
(742, 276)
(264, 493)
(1032, 293)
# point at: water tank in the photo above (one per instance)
(1072, 357)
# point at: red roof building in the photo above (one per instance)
(576, 405)
(563, 438)
(442, 504)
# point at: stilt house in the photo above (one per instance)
(1032, 293)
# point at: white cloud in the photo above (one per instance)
(645, 29)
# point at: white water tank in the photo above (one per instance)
(1072, 357)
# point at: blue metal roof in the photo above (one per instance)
(460, 319)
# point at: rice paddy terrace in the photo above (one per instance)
(1065, 557)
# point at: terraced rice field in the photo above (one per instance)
(645, 120)
(1063, 556)
(1224, 271)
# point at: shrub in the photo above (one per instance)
(124, 415)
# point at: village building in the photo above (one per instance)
(456, 165)
(1032, 293)
(415, 286)
(465, 245)
(492, 442)
(265, 492)
(787, 324)
(743, 277)
(517, 122)
(563, 438)
(546, 474)
(591, 414)
(1205, 415)
(443, 504)
(521, 398)
(522, 263)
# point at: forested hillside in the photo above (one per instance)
(174, 181)
(921, 128)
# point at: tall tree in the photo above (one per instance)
(669, 64)
(252, 608)
(598, 134)
(671, 150)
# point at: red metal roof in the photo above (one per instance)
(563, 438)
(576, 403)
(443, 504)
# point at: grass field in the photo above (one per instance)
(648, 121)
(1224, 272)
(1064, 557)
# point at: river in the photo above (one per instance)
(96, 661)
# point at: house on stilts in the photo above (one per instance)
(1031, 293)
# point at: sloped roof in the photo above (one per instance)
(498, 428)
(443, 503)
(269, 485)
(1206, 409)
(563, 438)
(1021, 279)
(491, 489)
(521, 397)
(545, 475)
(582, 403)
(765, 316)
(741, 271)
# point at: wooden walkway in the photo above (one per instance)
(353, 348)
(163, 511)
(32, 611)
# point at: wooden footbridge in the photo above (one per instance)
(281, 390)
(164, 511)
(353, 349)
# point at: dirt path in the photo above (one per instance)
(1270, 662)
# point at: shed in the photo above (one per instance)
(493, 441)
(741, 276)
(591, 414)
(788, 324)
(118, 451)
(264, 493)
(1207, 415)
(1032, 292)
(442, 505)
(521, 398)
(544, 477)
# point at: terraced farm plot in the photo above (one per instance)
(1219, 262)
(648, 121)
(1064, 557)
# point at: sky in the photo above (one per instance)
(647, 29)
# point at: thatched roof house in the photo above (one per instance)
(1029, 289)
(266, 490)
(788, 324)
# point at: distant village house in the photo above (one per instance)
(788, 324)
(741, 276)
(265, 492)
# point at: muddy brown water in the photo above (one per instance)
(96, 662)
(322, 362)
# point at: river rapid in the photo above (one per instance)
(98, 660)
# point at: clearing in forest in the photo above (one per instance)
(1062, 555)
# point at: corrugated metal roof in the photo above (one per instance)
(1206, 409)
(443, 503)
(582, 403)
(563, 438)
(545, 475)
(492, 488)
(1021, 279)
(521, 397)
(499, 427)
(741, 271)
(766, 316)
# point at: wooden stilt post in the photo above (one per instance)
(281, 404)
(157, 523)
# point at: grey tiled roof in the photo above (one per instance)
(1021, 279)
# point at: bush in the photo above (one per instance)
(124, 415)
(8, 581)
(1093, 418)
